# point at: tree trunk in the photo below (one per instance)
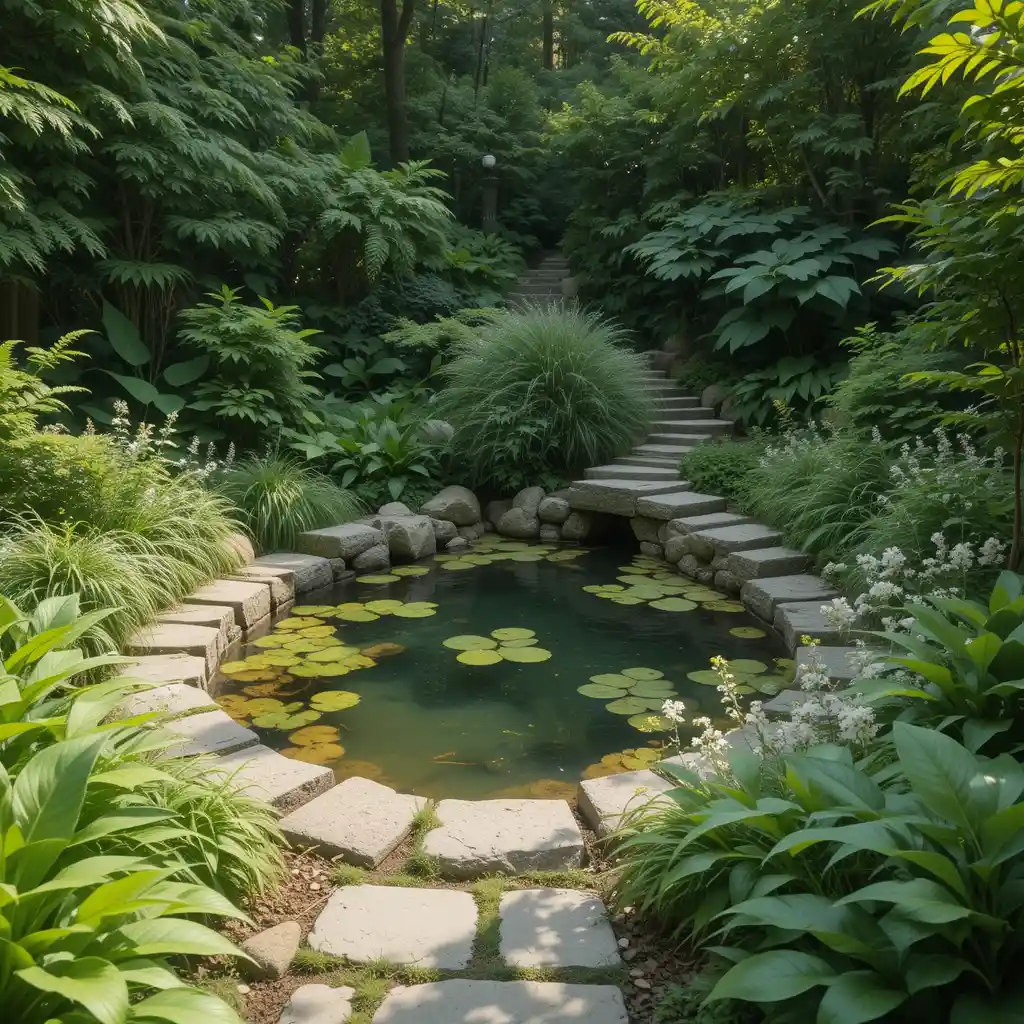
(315, 48)
(549, 37)
(297, 24)
(394, 32)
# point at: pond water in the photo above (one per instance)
(460, 677)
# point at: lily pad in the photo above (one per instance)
(333, 700)
(284, 720)
(674, 604)
(747, 666)
(316, 632)
(273, 640)
(378, 578)
(624, 599)
(724, 606)
(650, 723)
(470, 642)
(311, 670)
(525, 556)
(592, 588)
(409, 570)
(747, 632)
(299, 622)
(705, 676)
(385, 649)
(229, 668)
(255, 675)
(525, 655)
(628, 706)
(564, 556)
(654, 688)
(357, 615)
(512, 633)
(643, 674)
(304, 646)
(385, 607)
(457, 565)
(313, 609)
(319, 753)
(611, 679)
(639, 569)
(333, 654)
(416, 610)
(600, 691)
(478, 657)
(477, 559)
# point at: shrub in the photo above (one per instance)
(723, 468)
(702, 369)
(278, 498)
(544, 391)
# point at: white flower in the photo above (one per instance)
(674, 711)
(838, 613)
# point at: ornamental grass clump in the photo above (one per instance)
(540, 393)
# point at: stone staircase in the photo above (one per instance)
(540, 285)
(680, 423)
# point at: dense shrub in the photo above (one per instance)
(542, 392)
(277, 498)
(723, 468)
(702, 369)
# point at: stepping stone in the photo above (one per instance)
(211, 732)
(422, 927)
(482, 837)
(763, 562)
(646, 460)
(782, 703)
(680, 504)
(217, 616)
(307, 572)
(166, 668)
(280, 581)
(318, 1004)
(502, 1002)
(178, 638)
(678, 437)
(670, 414)
(645, 473)
(173, 699)
(723, 540)
(762, 597)
(556, 928)
(267, 775)
(250, 601)
(346, 541)
(708, 521)
(603, 802)
(835, 659)
(272, 950)
(617, 497)
(675, 451)
(796, 620)
(359, 820)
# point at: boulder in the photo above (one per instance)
(408, 537)
(705, 574)
(437, 431)
(549, 533)
(519, 522)
(394, 508)
(645, 528)
(474, 532)
(674, 549)
(457, 544)
(443, 530)
(529, 498)
(377, 557)
(577, 526)
(496, 509)
(688, 565)
(553, 510)
(713, 396)
(455, 504)
(728, 581)
(651, 549)
(340, 541)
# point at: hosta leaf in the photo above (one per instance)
(185, 1006)
(856, 997)
(89, 982)
(773, 976)
(124, 337)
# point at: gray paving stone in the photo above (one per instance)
(423, 927)
(178, 638)
(172, 699)
(270, 776)
(602, 802)
(763, 596)
(271, 950)
(622, 472)
(618, 497)
(359, 820)
(166, 668)
(760, 563)
(280, 581)
(782, 703)
(347, 541)
(835, 659)
(723, 540)
(211, 732)
(216, 616)
(318, 1004)
(502, 1002)
(556, 928)
(480, 837)
(679, 505)
(796, 620)
(685, 525)
(308, 572)
(250, 600)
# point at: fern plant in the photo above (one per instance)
(24, 394)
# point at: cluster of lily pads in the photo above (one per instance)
(630, 760)
(751, 676)
(510, 643)
(492, 549)
(636, 692)
(394, 575)
(647, 580)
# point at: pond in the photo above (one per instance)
(514, 670)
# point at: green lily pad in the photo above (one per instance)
(674, 604)
(654, 688)
(628, 706)
(416, 610)
(525, 642)
(478, 657)
(747, 632)
(524, 655)
(299, 622)
(378, 578)
(623, 598)
(409, 570)
(512, 633)
(313, 609)
(334, 700)
(600, 691)
(643, 674)
(705, 676)
(650, 723)
(620, 682)
(470, 642)
(281, 720)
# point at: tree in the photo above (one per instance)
(394, 28)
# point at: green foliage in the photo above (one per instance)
(24, 394)
(259, 360)
(796, 383)
(278, 498)
(542, 392)
(686, 1005)
(702, 369)
(723, 468)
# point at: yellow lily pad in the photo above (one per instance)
(315, 734)
(385, 607)
(333, 654)
(316, 632)
(272, 640)
(525, 642)
(512, 633)
(478, 657)
(333, 700)
(319, 753)
(255, 675)
(303, 645)
(385, 649)
(416, 610)
(299, 622)
(643, 674)
(525, 655)
(650, 723)
(674, 604)
(229, 668)
(284, 720)
(313, 609)
(409, 570)
(747, 632)
(380, 578)
(470, 642)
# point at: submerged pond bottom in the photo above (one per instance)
(515, 670)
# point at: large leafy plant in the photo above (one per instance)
(795, 382)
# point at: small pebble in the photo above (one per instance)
(244, 989)
(636, 973)
(630, 954)
(650, 965)
(623, 943)
(314, 886)
(642, 983)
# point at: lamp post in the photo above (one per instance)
(489, 221)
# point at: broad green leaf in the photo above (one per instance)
(166, 936)
(842, 783)
(124, 337)
(355, 154)
(773, 976)
(141, 390)
(169, 404)
(919, 899)
(858, 996)
(932, 970)
(88, 981)
(179, 374)
(184, 1006)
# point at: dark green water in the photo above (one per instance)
(429, 725)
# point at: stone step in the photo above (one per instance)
(178, 638)
(679, 505)
(166, 668)
(761, 563)
(794, 621)
(688, 414)
(603, 802)
(763, 596)
(613, 472)
(616, 497)
(210, 732)
(672, 437)
(281, 781)
(249, 600)
(676, 451)
(646, 460)
(304, 572)
(724, 540)
(694, 426)
(684, 402)
(666, 389)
